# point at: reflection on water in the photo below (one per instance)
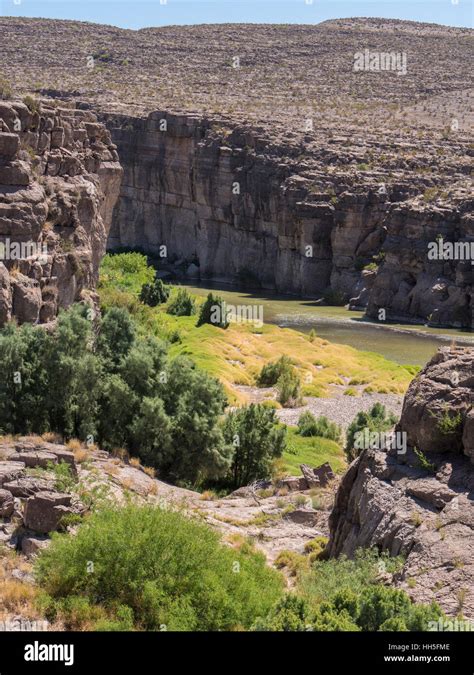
(400, 343)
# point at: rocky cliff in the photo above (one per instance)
(262, 154)
(420, 503)
(59, 181)
(230, 204)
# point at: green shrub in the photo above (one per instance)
(155, 568)
(213, 311)
(448, 424)
(155, 293)
(183, 304)
(257, 440)
(126, 271)
(32, 104)
(309, 425)
(289, 389)
(376, 420)
(291, 560)
(289, 615)
(316, 546)
(344, 595)
(271, 372)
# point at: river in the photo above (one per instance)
(402, 343)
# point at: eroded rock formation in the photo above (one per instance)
(59, 180)
(420, 503)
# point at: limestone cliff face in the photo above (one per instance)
(237, 215)
(425, 511)
(59, 181)
(231, 205)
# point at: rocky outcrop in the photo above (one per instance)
(419, 503)
(44, 511)
(59, 180)
(438, 407)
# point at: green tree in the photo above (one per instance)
(155, 293)
(213, 311)
(257, 439)
(151, 437)
(182, 304)
(117, 335)
(200, 450)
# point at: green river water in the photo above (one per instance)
(402, 343)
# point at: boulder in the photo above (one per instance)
(33, 459)
(9, 144)
(26, 486)
(293, 483)
(324, 474)
(27, 299)
(310, 478)
(438, 404)
(7, 503)
(10, 470)
(62, 455)
(31, 545)
(396, 505)
(45, 510)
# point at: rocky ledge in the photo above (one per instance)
(419, 503)
(59, 180)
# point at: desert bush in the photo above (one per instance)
(309, 425)
(182, 304)
(271, 372)
(344, 595)
(6, 89)
(155, 568)
(155, 293)
(257, 440)
(376, 420)
(213, 311)
(289, 389)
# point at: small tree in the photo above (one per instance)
(155, 293)
(213, 311)
(257, 440)
(289, 389)
(271, 372)
(117, 334)
(183, 304)
(308, 425)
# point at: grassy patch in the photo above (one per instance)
(237, 355)
(311, 450)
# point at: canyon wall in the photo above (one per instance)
(59, 181)
(228, 204)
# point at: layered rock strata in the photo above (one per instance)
(59, 180)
